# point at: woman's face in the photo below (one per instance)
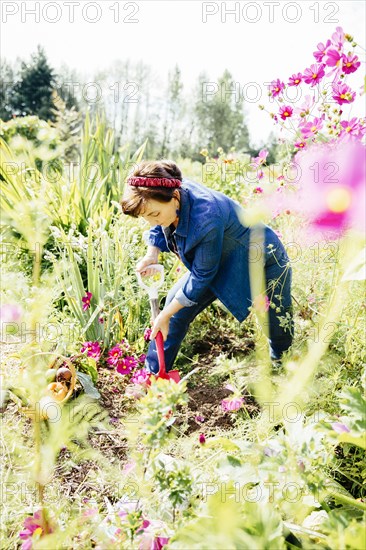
(161, 213)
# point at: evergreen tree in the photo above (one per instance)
(6, 91)
(33, 91)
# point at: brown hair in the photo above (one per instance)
(136, 198)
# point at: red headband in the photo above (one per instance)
(142, 181)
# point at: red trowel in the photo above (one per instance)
(152, 290)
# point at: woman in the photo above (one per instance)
(201, 226)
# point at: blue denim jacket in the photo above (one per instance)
(214, 245)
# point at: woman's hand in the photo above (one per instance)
(161, 323)
(148, 259)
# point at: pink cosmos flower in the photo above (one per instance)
(261, 158)
(117, 352)
(92, 350)
(10, 313)
(147, 334)
(300, 144)
(125, 365)
(276, 87)
(334, 173)
(321, 50)
(295, 79)
(86, 300)
(33, 530)
(141, 376)
(261, 303)
(305, 107)
(350, 63)
(260, 174)
(149, 542)
(286, 111)
(231, 404)
(342, 93)
(258, 190)
(142, 358)
(202, 439)
(114, 355)
(333, 58)
(314, 74)
(353, 127)
(338, 38)
(122, 368)
(312, 127)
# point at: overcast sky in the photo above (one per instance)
(267, 40)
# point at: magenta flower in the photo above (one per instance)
(340, 428)
(300, 144)
(276, 87)
(10, 313)
(93, 350)
(334, 173)
(342, 93)
(295, 79)
(114, 355)
(142, 358)
(333, 58)
(199, 418)
(321, 51)
(33, 530)
(130, 361)
(123, 368)
(286, 111)
(202, 439)
(117, 352)
(231, 404)
(312, 127)
(86, 300)
(314, 74)
(350, 63)
(258, 190)
(147, 334)
(141, 376)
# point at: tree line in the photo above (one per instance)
(138, 105)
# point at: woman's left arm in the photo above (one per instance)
(204, 268)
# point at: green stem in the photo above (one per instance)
(349, 501)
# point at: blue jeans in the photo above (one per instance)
(278, 281)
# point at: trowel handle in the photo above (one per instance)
(154, 303)
(152, 290)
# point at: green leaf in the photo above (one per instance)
(88, 385)
(222, 442)
(359, 441)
